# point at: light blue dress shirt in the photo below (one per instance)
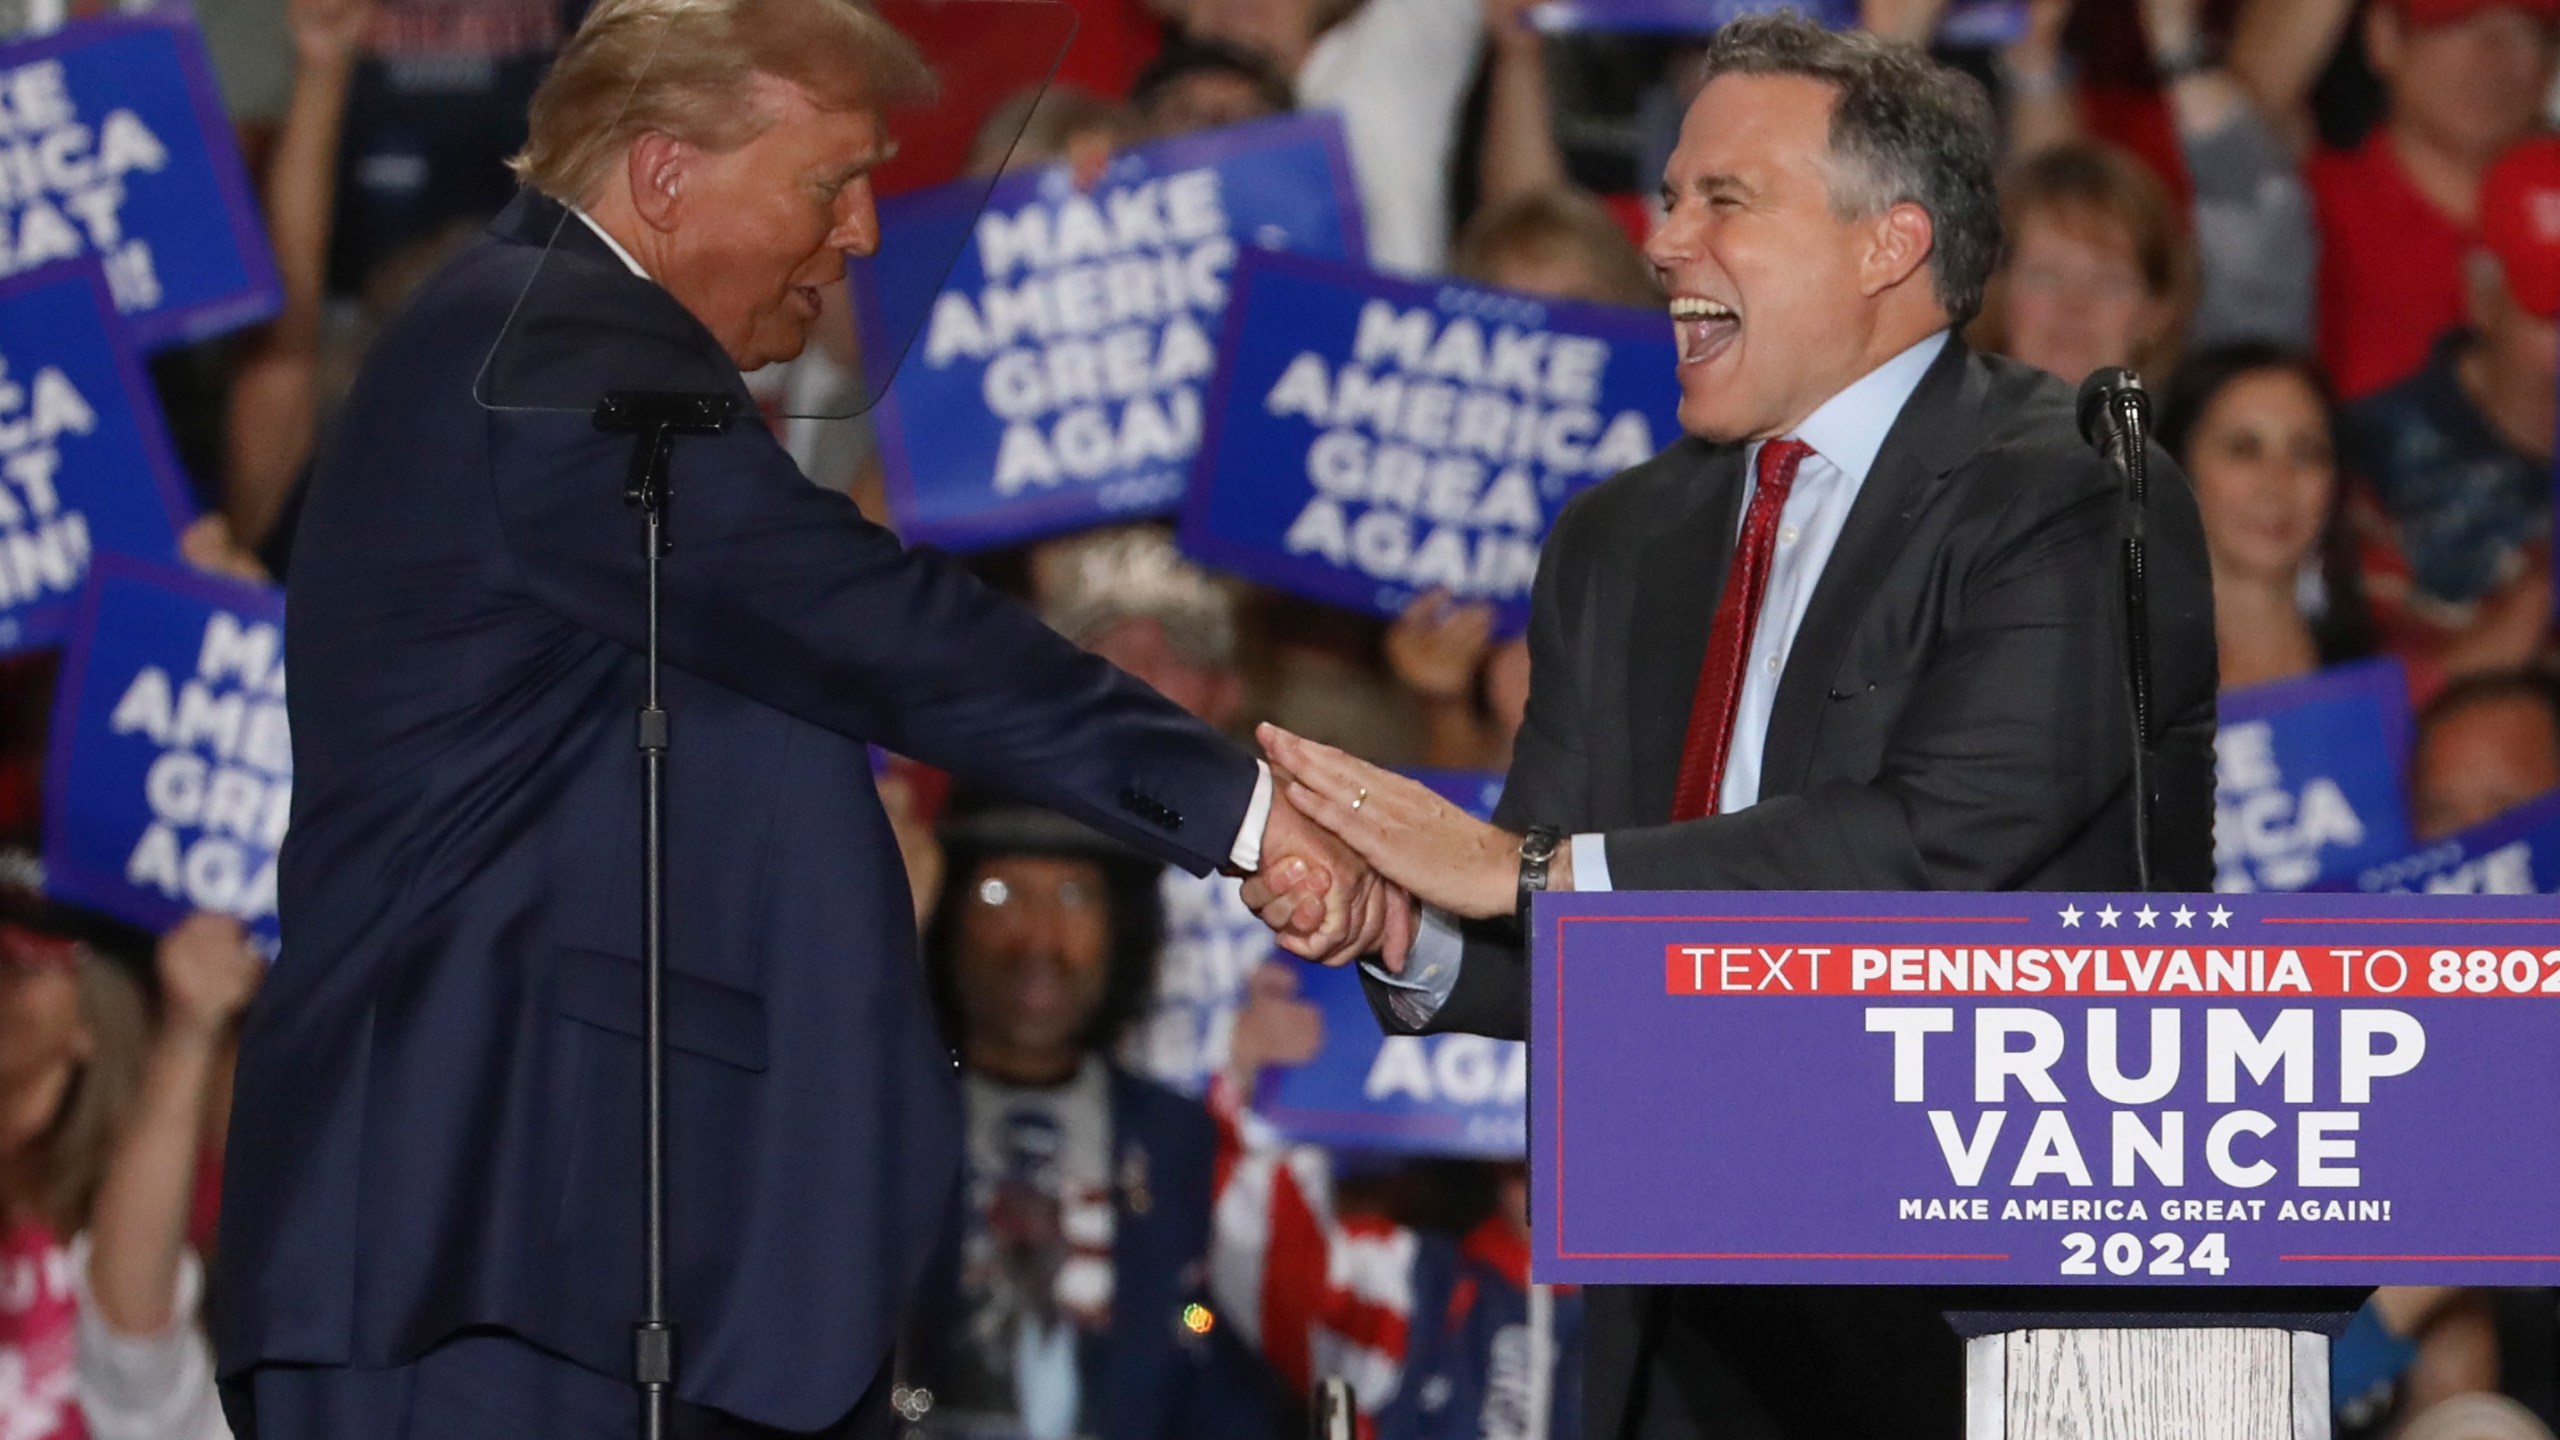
(1846, 433)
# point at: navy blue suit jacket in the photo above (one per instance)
(438, 1108)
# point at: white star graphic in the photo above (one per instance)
(2146, 915)
(2184, 916)
(2221, 918)
(2107, 916)
(2071, 916)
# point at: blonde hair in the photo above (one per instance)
(72, 1154)
(1556, 221)
(684, 67)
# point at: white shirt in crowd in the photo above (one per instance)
(1397, 70)
(147, 1387)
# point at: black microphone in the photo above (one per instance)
(2104, 397)
(2115, 417)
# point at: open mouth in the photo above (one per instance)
(1705, 328)
(806, 297)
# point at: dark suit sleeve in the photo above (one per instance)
(2013, 736)
(784, 593)
(1546, 785)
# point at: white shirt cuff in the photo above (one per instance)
(1430, 970)
(1591, 863)
(1247, 854)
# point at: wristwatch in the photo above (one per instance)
(1537, 849)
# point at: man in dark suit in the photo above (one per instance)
(1858, 630)
(432, 1222)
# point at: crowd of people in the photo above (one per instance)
(2327, 232)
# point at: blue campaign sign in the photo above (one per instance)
(171, 772)
(1967, 22)
(113, 144)
(85, 463)
(2011, 1089)
(1415, 1095)
(2517, 853)
(1410, 1094)
(1212, 942)
(1373, 438)
(1474, 791)
(1056, 382)
(2308, 778)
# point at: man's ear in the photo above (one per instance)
(658, 163)
(1899, 242)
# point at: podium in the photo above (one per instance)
(2156, 1148)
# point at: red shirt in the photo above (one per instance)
(2390, 266)
(38, 1315)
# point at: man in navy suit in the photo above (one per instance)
(432, 1226)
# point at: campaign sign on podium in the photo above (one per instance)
(2035, 1089)
(114, 145)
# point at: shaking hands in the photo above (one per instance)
(1352, 849)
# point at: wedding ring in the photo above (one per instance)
(1362, 798)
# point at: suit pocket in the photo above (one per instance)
(1873, 676)
(703, 1017)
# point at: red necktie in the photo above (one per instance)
(1729, 644)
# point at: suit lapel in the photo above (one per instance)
(1938, 427)
(1679, 576)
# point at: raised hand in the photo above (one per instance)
(328, 32)
(208, 971)
(1507, 29)
(1413, 837)
(1437, 645)
(1911, 20)
(1273, 1027)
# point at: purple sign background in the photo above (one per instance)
(1751, 1133)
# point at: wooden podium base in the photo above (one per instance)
(2147, 1384)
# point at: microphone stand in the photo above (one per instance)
(655, 418)
(2128, 447)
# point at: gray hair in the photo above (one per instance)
(1904, 130)
(1113, 576)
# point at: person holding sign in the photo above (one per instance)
(432, 1218)
(1858, 629)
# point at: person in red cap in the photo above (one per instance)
(2464, 80)
(2460, 451)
